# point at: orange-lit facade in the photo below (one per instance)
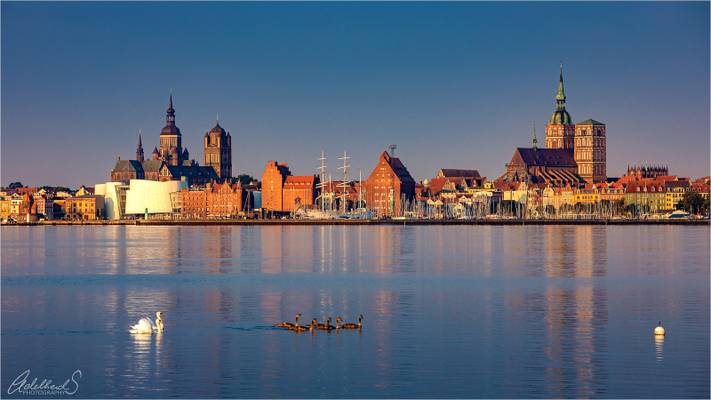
(224, 200)
(283, 192)
(389, 187)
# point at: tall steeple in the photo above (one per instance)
(170, 112)
(560, 128)
(139, 150)
(535, 139)
(171, 150)
(560, 95)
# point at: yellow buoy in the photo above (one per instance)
(659, 330)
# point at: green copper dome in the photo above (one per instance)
(561, 117)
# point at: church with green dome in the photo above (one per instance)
(574, 154)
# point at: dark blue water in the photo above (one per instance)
(450, 311)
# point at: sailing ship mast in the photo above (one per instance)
(322, 179)
(344, 184)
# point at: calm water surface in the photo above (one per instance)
(450, 311)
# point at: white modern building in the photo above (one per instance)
(139, 197)
(114, 198)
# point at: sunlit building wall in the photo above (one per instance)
(151, 197)
(114, 198)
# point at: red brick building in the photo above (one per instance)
(299, 192)
(283, 192)
(193, 203)
(224, 200)
(389, 186)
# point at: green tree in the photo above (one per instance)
(694, 203)
(15, 185)
(245, 179)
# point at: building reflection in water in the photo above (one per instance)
(575, 311)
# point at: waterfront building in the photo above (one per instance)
(44, 205)
(299, 192)
(702, 186)
(574, 154)
(283, 192)
(612, 193)
(389, 187)
(647, 196)
(5, 203)
(224, 200)
(193, 203)
(84, 208)
(151, 198)
(675, 191)
(114, 194)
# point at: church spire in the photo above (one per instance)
(139, 149)
(560, 95)
(535, 139)
(170, 112)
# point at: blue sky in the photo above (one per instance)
(454, 85)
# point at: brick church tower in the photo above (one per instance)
(170, 148)
(560, 129)
(218, 151)
(591, 150)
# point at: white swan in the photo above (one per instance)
(145, 325)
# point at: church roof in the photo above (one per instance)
(193, 171)
(127, 165)
(547, 157)
(218, 129)
(590, 121)
(170, 129)
(152, 165)
(458, 173)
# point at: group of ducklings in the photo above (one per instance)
(315, 325)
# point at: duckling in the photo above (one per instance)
(289, 325)
(327, 326)
(350, 325)
(301, 328)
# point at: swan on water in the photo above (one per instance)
(145, 325)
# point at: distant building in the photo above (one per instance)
(218, 151)
(224, 200)
(389, 187)
(283, 192)
(151, 197)
(554, 167)
(575, 154)
(114, 194)
(84, 208)
(193, 203)
(171, 161)
(647, 171)
(458, 173)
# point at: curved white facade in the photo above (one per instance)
(114, 198)
(152, 197)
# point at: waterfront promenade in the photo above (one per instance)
(377, 222)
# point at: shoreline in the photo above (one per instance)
(370, 222)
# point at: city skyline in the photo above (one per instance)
(287, 81)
